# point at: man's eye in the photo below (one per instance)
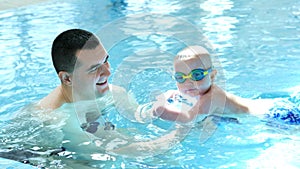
(94, 69)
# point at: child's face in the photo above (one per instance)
(189, 86)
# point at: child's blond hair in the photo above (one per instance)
(192, 52)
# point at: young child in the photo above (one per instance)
(197, 93)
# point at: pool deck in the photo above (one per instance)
(8, 4)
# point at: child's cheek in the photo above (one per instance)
(181, 88)
(204, 86)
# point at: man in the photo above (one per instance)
(81, 63)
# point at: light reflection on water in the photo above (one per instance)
(256, 42)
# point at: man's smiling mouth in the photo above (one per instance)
(101, 83)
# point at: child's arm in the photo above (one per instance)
(235, 104)
(162, 107)
(217, 99)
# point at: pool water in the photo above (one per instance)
(256, 44)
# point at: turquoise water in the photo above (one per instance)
(257, 44)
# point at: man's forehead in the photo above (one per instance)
(90, 56)
(98, 51)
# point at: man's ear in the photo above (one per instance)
(213, 74)
(65, 78)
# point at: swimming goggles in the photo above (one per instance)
(196, 75)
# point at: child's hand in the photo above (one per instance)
(165, 96)
(173, 106)
(159, 107)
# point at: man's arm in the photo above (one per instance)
(117, 141)
(152, 147)
(129, 108)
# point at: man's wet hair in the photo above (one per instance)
(66, 45)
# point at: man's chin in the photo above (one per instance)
(102, 91)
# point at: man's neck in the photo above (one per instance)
(66, 93)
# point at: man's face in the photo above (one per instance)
(90, 74)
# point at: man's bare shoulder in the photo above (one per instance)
(53, 100)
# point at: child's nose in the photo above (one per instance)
(188, 81)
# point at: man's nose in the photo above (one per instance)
(105, 70)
